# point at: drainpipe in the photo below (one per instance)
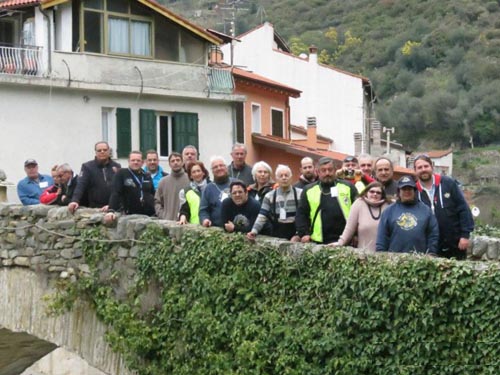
(49, 46)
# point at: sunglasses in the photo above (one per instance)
(102, 150)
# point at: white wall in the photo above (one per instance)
(335, 98)
(56, 125)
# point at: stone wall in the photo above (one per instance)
(40, 245)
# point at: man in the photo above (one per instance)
(350, 171)
(239, 213)
(384, 172)
(366, 164)
(214, 194)
(238, 169)
(324, 206)
(62, 191)
(95, 180)
(167, 201)
(408, 225)
(443, 195)
(31, 187)
(307, 173)
(153, 167)
(133, 190)
(189, 155)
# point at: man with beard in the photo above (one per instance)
(384, 172)
(214, 194)
(324, 206)
(443, 195)
(408, 225)
(167, 201)
(95, 180)
(133, 190)
(307, 173)
(239, 213)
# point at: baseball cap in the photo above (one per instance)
(406, 181)
(30, 162)
(350, 158)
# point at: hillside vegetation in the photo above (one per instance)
(434, 65)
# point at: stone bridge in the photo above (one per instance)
(39, 245)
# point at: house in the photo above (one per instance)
(131, 72)
(342, 102)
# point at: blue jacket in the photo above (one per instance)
(211, 202)
(29, 190)
(451, 210)
(405, 228)
(156, 177)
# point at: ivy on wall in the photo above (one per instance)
(224, 306)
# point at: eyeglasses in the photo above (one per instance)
(375, 192)
(102, 150)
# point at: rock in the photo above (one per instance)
(22, 261)
(492, 252)
(38, 259)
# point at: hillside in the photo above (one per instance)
(434, 64)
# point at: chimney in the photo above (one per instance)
(312, 138)
(313, 54)
(377, 138)
(357, 143)
(215, 55)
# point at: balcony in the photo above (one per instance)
(21, 61)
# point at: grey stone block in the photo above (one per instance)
(22, 261)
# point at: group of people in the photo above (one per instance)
(359, 204)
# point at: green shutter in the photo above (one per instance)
(184, 130)
(147, 130)
(123, 132)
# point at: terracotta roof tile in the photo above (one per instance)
(17, 3)
(263, 80)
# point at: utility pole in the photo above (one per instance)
(388, 132)
(232, 6)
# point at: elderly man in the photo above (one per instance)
(384, 172)
(133, 190)
(189, 155)
(366, 164)
(31, 187)
(324, 206)
(62, 191)
(167, 201)
(443, 195)
(214, 194)
(96, 179)
(408, 225)
(238, 168)
(307, 173)
(239, 213)
(153, 167)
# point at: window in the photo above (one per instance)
(240, 123)
(7, 32)
(167, 132)
(277, 122)
(256, 126)
(128, 31)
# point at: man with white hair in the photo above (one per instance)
(279, 208)
(238, 168)
(215, 193)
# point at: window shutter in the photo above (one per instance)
(184, 130)
(147, 130)
(123, 132)
(240, 123)
(277, 123)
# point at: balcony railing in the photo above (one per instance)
(23, 61)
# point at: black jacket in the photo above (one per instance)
(451, 210)
(94, 183)
(67, 192)
(133, 193)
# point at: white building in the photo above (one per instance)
(126, 71)
(340, 101)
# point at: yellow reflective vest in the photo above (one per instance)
(314, 199)
(193, 200)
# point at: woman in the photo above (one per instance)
(364, 217)
(191, 195)
(261, 173)
(278, 208)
